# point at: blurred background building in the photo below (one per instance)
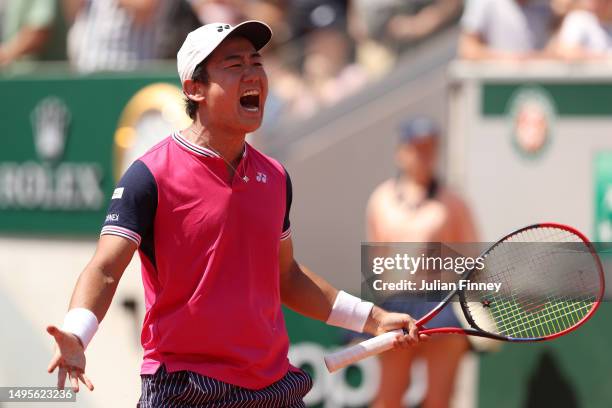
(522, 90)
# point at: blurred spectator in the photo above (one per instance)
(328, 72)
(28, 29)
(560, 9)
(275, 14)
(405, 20)
(314, 70)
(272, 12)
(384, 28)
(430, 17)
(414, 207)
(113, 35)
(307, 16)
(225, 11)
(283, 102)
(327, 77)
(504, 29)
(2, 7)
(179, 19)
(587, 31)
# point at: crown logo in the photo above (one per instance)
(50, 120)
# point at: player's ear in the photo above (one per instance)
(194, 90)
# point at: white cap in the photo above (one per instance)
(200, 43)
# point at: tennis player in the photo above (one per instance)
(414, 207)
(209, 216)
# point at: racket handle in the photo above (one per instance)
(357, 352)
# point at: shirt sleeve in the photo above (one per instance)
(133, 204)
(474, 19)
(573, 29)
(286, 233)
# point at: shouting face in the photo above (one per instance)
(234, 97)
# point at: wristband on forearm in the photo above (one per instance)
(82, 323)
(349, 312)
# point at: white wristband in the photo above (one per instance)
(82, 323)
(349, 312)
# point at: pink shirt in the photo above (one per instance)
(209, 253)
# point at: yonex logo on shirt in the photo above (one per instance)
(112, 218)
(261, 177)
(118, 193)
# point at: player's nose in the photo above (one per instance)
(254, 73)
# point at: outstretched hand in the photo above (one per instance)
(69, 357)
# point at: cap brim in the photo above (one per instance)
(258, 33)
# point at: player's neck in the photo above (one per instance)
(229, 145)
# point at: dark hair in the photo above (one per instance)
(200, 75)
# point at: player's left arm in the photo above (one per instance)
(301, 289)
(310, 295)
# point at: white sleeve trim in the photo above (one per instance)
(285, 234)
(122, 232)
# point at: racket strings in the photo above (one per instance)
(527, 300)
(558, 307)
(556, 311)
(556, 318)
(546, 288)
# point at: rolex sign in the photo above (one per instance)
(64, 143)
(47, 182)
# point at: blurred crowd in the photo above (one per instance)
(322, 51)
(531, 29)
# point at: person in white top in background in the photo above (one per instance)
(587, 31)
(504, 29)
(560, 10)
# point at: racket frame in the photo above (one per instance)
(477, 331)
(378, 344)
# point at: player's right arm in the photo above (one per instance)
(130, 218)
(98, 282)
(94, 291)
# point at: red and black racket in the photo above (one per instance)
(552, 282)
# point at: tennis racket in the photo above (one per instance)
(552, 282)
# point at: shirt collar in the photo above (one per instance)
(199, 150)
(192, 147)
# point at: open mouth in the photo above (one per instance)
(250, 100)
